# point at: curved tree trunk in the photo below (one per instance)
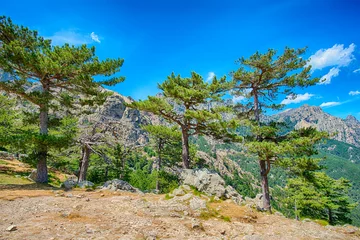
(42, 172)
(84, 163)
(265, 186)
(185, 149)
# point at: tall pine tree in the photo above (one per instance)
(187, 102)
(260, 79)
(60, 71)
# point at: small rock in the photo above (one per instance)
(223, 232)
(11, 228)
(197, 203)
(85, 184)
(186, 187)
(253, 237)
(186, 213)
(87, 199)
(195, 224)
(102, 195)
(69, 195)
(178, 192)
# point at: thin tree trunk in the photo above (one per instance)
(42, 172)
(330, 217)
(185, 149)
(256, 107)
(84, 163)
(160, 146)
(265, 186)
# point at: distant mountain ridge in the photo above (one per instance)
(345, 130)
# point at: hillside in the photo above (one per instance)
(344, 130)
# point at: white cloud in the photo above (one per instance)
(298, 98)
(334, 56)
(210, 76)
(95, 37)
(71, 37)
(356, 70)
(236, 99)
(353, 93)
(326, 79)
(330, 104)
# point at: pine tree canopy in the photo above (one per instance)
(28, 58)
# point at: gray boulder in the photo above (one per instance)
(204, 181)
(210, 183)
(70, 182)
(117, 184)
(197, 203)
(85, 184)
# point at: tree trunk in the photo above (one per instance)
(265, 187)
(42, 172)
(160, 147)
(331, 221)
(256, 107)
(84, 163)
(185, 149)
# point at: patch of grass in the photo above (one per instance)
(196, 192)
(225, 218)
(206, 215)
(212, 200)
(321, 222)
(2, 162)
(12, 179)
(168, 197)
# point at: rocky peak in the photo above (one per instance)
(350, 119)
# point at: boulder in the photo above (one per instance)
(204, 181)
(85, 184)
(197, 203)
(33, 175)
(117, 184)
(209, 183)
(70, 182)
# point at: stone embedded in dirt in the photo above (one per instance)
(195, 224)
(178, 192)
(197, 203)
(253, 237)
(85, 184)
(11, 228)
(117, 184)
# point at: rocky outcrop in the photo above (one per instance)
(116, 184)
(209, 183)
(345, 130)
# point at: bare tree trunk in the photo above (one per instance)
(42, 172)
(331, 221)
(265, 186)
(185, 149)
(256, 107)
(160, 146)
(84, 163)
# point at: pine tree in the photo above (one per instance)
(187, 102)
(260, 79)
(61, 72)
(320, 197)
(165, 138)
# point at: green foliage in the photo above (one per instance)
(60, 72)
(187, 103)
(320, 197)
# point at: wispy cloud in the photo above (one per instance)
(326, 79)
(95, 37)
(237, 99)
(296, 99)
(356, 70)
(210, 76)
(338, 56)
(73, 37)
(330, 104)
(353, 93)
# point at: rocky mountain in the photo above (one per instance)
(344, 130)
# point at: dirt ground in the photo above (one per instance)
(55, 214)
(36, 211)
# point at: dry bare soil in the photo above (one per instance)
(42, 212)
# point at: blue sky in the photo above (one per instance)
(159, 37)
